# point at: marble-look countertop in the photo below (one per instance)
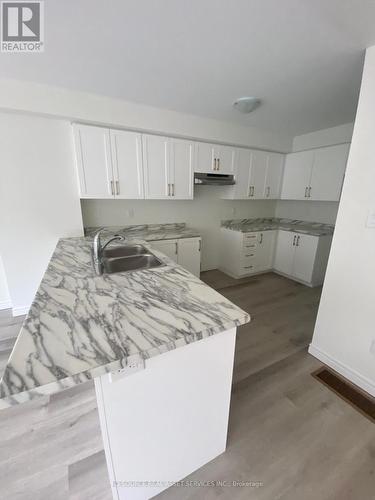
(147, 232)
(81, 325)
(267, 224)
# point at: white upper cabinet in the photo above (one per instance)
(156, 167)
(274, 176)
(297, 175)
(242, 165)
(258, 171)
(168, 168)
(328, 173)
(126, 150)
(214, 158)
(93, 154)
(181, 168)
(316, 174)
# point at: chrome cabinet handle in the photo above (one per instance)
(176, 248)
(261, 238)
(112, 190)
(294, 240)
(297, 244)
(117, 187)
(169, 189)
(200, 245)
(309, 194)
(173, 189)
(252, 190)
(218, 163)
(306, 191)
(268, 191)
(215, 164)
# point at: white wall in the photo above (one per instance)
(4, 293)
(316, 211)
(325, 137)
(38, 199)
(91, 108)
(344, 330)
(203, 213)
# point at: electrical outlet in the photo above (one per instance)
(372, 347)
(133, 366)
(130, 213)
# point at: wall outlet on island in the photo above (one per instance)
(129, 213)
(133, 366)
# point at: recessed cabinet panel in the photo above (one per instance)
(265, 250)
(181, 169)
(275, 168)
(284, 254)
(258, 172)
(127, 164)
(297, 175)
(204, 158)
(156, 167)
(328, 173)
(189, 255)
(93, 154)
(304, 256)
(242, 174)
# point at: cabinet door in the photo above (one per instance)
(304, 259)
(297, 175)
(94, 163)
(328, 172)
(224, 156)
(156, 166)
(265, 250)
(275, 167)
(181, 169)
(204, 157)
(126, 150)
(258, 172)
(284, 253)
(189, 255)
(167, 247)
(241, 173)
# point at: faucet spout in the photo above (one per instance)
(97, 250)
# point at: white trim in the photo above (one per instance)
(20, 311)
(5, 304)
(356, 378)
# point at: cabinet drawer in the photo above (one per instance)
(247, 267)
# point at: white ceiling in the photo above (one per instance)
(303, 58)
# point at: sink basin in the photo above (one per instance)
(130, 263)
(125, 251)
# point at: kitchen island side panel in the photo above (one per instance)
(162, 423)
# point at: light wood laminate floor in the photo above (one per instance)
(286, 430)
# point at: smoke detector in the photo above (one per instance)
(246, 104)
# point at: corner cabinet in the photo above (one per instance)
(185, 251)
(258, 175)
(302, 257)
(315, 175)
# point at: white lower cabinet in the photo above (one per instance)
(302, 256)
(242, 254)
(185, 251)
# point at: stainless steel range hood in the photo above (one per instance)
(214, 179)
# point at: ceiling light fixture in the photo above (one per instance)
(246, 104)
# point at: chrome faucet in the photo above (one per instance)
(97, 249)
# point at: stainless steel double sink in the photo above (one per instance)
(125, 258)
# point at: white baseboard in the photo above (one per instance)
(5, 304)
(344, 370)
(20, 311)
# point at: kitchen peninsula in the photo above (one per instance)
(159, 344)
